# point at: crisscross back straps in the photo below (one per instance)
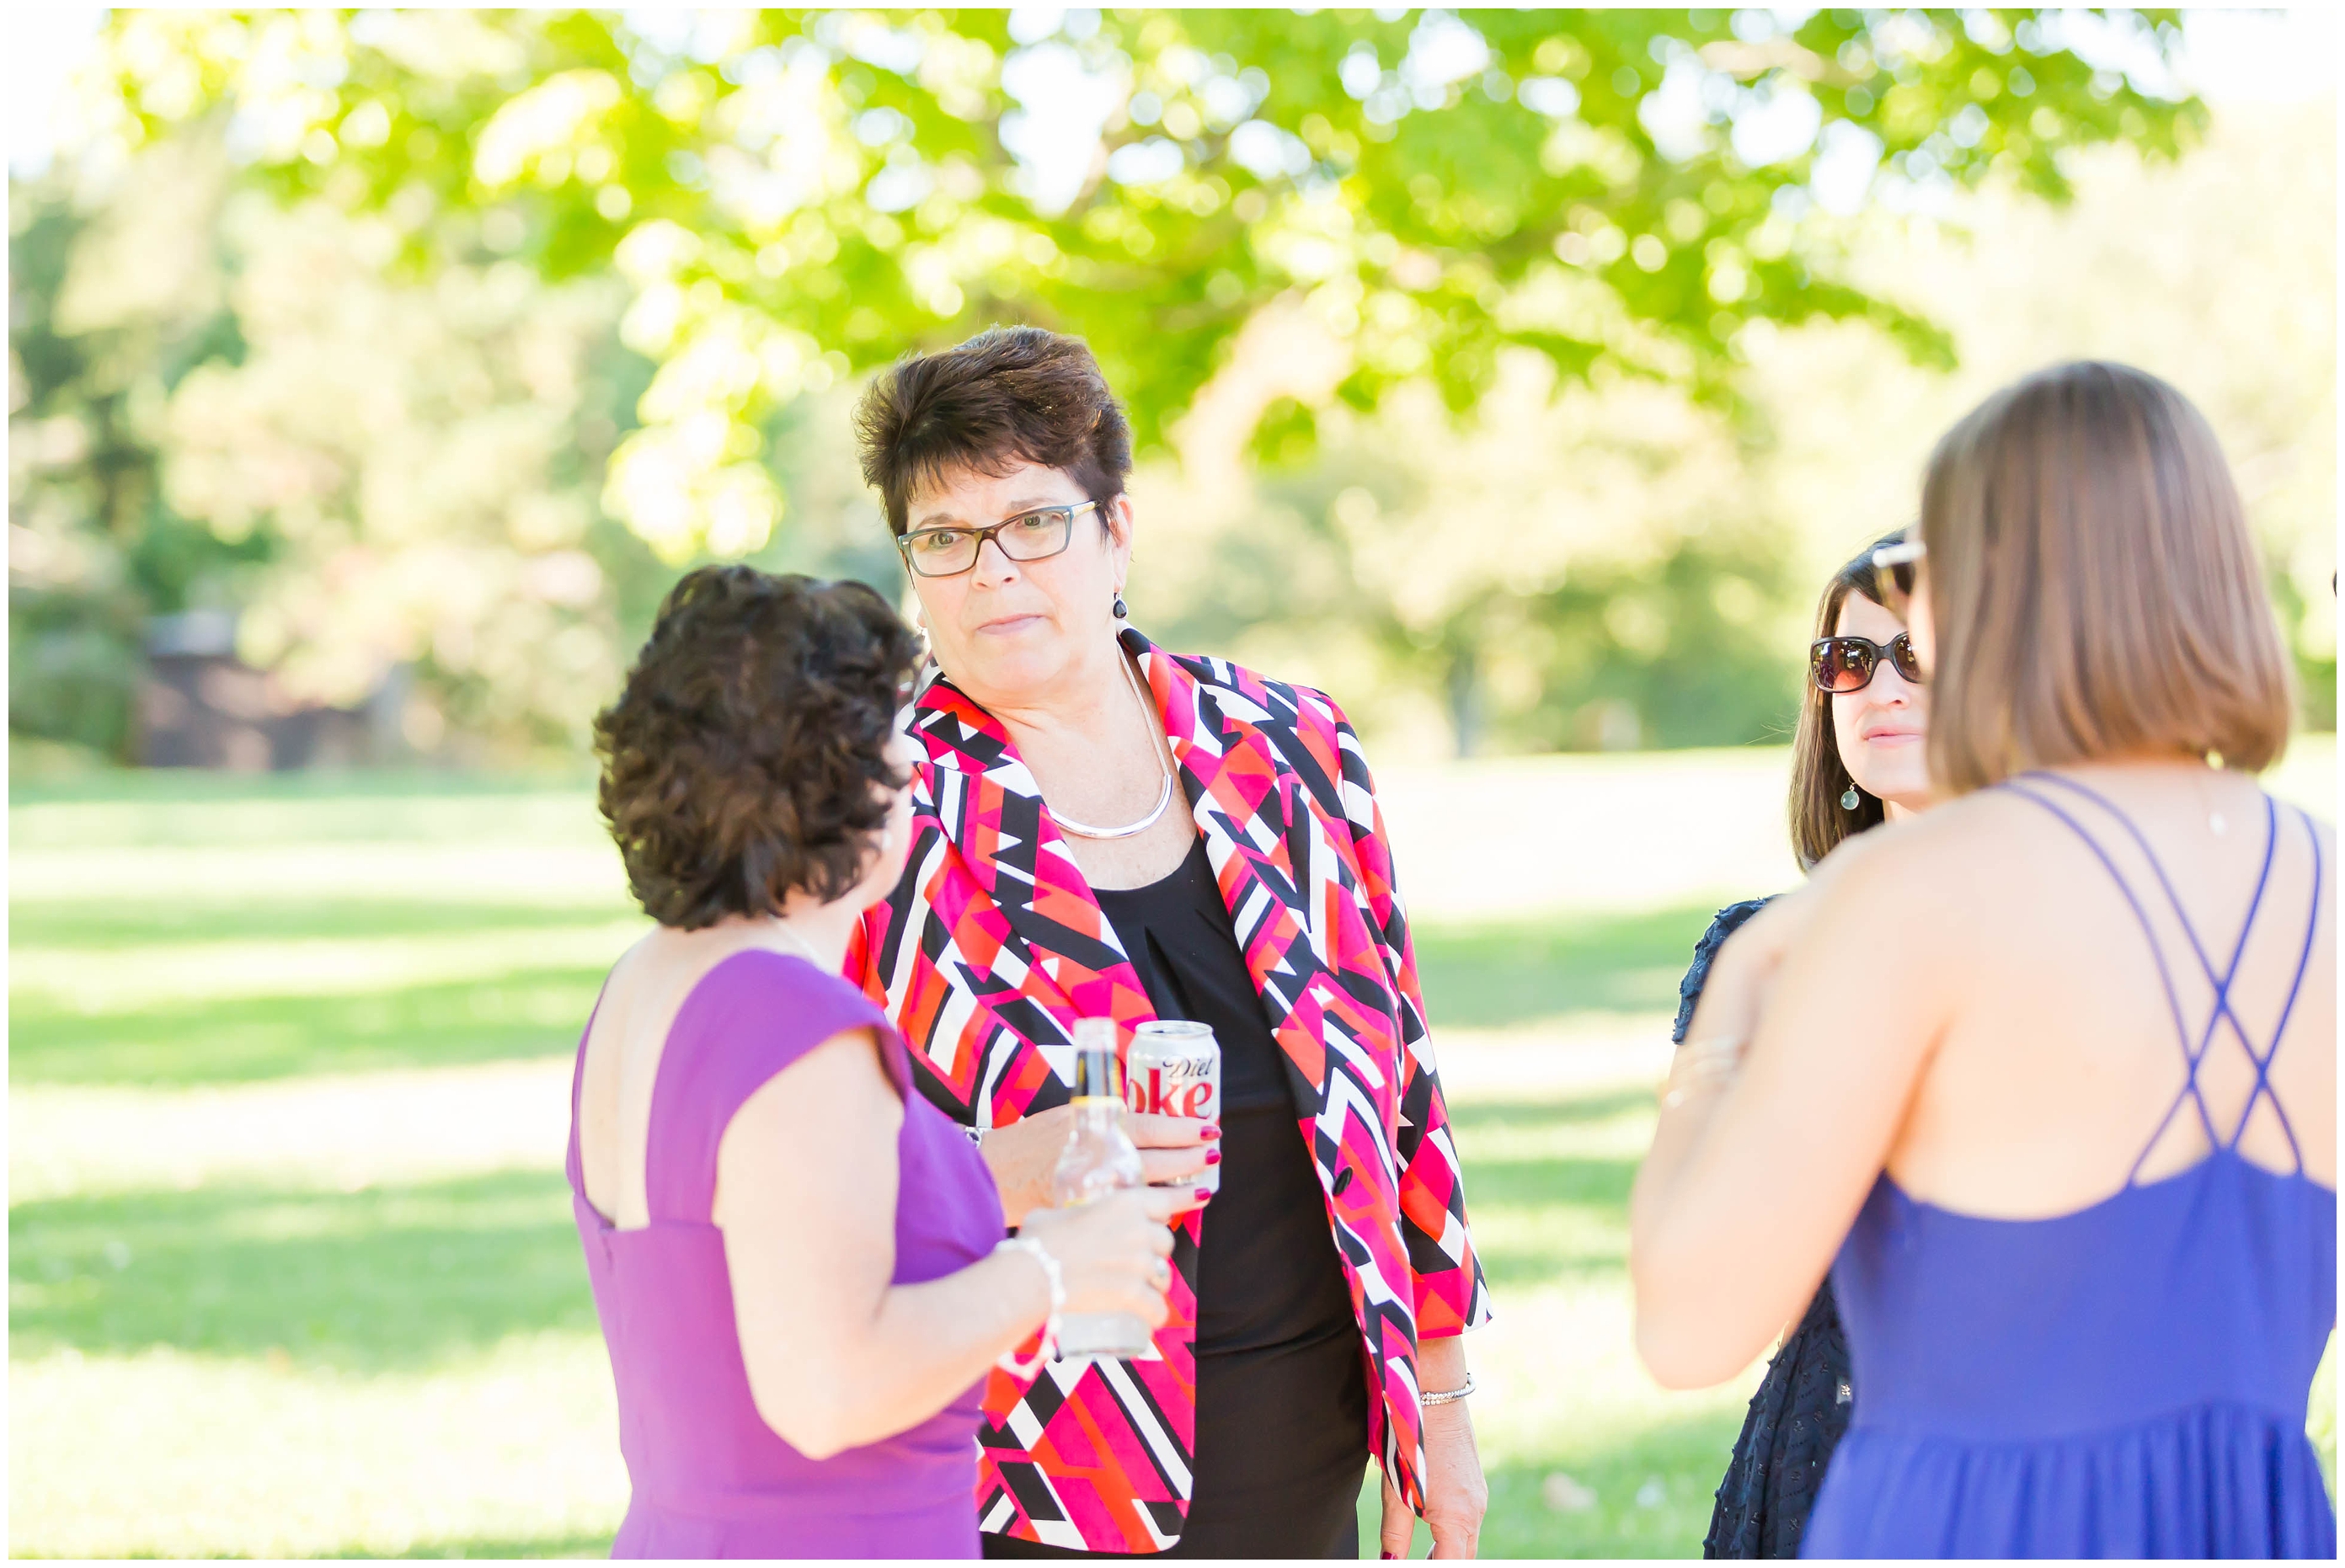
(2263, 1085)
(2221, 981)
(2164, 976)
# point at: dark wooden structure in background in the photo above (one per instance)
(201, 706)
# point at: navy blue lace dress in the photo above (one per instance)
(1801, 1407)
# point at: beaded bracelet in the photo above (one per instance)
(1447, 1396)
(1049, 1347)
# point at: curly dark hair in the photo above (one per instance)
(745, 757)
(1007, 394)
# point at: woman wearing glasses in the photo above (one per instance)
(2048, 1077)
(1857, 762)
(1103, 829)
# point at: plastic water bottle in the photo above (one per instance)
(1099, 1159)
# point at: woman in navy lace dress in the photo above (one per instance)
(1857, 762)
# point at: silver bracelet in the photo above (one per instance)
(1450, 1396)
(1049, 1346)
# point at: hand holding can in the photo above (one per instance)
(1174, 1069)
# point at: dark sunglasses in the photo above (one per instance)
(1844, 665)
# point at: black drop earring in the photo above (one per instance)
(1121, 613)
(1848, 798)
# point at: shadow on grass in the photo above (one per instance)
(1488, 977)
(1496, 976)
(1578, 1180)
(392, 1279)
(528, 1014)
(1563, 1225)
(198, 786)
(1553, 1214)
(70, 923)
(1651, 1493)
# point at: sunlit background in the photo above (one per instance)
(1517, 377)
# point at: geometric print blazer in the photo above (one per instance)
(993, 944)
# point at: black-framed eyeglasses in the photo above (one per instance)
(1892, 572)
(1035, 535)
(1843, 665)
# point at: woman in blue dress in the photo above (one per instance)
(2047, 1076)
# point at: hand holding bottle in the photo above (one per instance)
(1111, 1252)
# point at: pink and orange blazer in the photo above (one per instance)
(993, 943)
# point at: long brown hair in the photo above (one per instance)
(1818, 778)
(2094, 587)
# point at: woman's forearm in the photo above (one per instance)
(1667, 1263)
(807, 1186)
(1022, 1155)
(1441, 1364)
(1766, 1155)
(1667, 1275)
(925, 1344)
(1677, 1139)
(1455, 1494)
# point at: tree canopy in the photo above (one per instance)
(793, 197)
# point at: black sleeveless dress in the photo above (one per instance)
(1282, 1397)
(1803, 1405)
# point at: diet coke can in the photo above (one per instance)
(1175, 1069)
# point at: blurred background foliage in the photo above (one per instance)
(1517, 375)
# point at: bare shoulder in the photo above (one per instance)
(1948, 845)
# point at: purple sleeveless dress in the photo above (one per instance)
(2126, 1380)
(711, 1479)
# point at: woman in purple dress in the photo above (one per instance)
(798, 1264)
(2051, 1070)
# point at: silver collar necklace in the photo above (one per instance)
(1164, 796)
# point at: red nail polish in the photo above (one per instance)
(1212, 1156)
(1212, 1131)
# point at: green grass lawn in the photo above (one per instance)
(292, 1266)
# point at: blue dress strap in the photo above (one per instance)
(2262, 1088)
(2156, 951)
(2173, 899)
(2221, 980)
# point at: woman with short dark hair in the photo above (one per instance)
(1857, 762)
(797, 1264)
(1103, 829)
(2047, 1075)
